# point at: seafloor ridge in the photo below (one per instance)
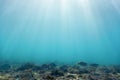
(79, 71)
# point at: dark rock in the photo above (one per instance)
(117, 69)
(48, 77)
(36, 68)
(73, 70)
(48, 66)
(96, 74)
(82, 63)
(109, 78)
(42, 71)
(94, 65)
(52, 65)
(76, 66)
(57, 73)
(112, 69)
(64, 68)
(25, 67)
(91, 78)
(70, 76)
(83, 71)
(44, 66)
(5, 67)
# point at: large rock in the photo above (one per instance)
(82, 64)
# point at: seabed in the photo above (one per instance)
(52, 71)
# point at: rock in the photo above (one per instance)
(83, 71)
(48, 77)
(44, 66)
(94, 65)
(71, 76)
(91, 78)
(91, 69)
(117, 69)
(57, 73)
(42, 71)
(5, 67)
(4, 77)
(104, 70)
(109, 78)
(112, 69)
(82, 63)
(73, 70)
(25, 67)
(36, 68)
(64, 68)
(48, 66)
(76, 67)
(36, 75)
(26, 75)
(52, 65)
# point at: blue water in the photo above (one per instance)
(61, 31)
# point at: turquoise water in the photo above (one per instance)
(61, 31)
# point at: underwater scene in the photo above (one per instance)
(59, 39)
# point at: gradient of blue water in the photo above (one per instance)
(47, 33)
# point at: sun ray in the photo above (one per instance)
(116, 4)
(62, 27)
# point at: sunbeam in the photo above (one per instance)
(116, 4)
(69, 29)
